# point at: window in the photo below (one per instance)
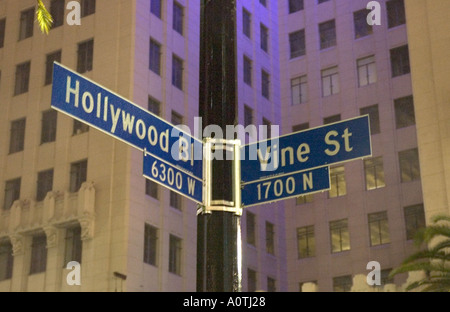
(247, 71)
(251, 280)
(155, 57)
(246, 23)
(395, 13)
(271, 284)
(263, 2)
(270, 238)
(331, 119)
(300, 127)
(304, 199)
(322, 1)
(26, 24)
(17, 138)
(12, 193)
(154, 106)
(306, 242)
(248, 116)
(73, 245)
(374, 117)
(327, 32)
(57, 11)
(177, 72)
(409, 165)
(85, 56)
(151, 188)
(178, 18)
(44, 184)
(340, 237)
(79, 127)
(175, 254)
(414, 220)
(337, 180)
(22, 78)
(362, 28)
(264, 34)
(150, 244)
(251, 228)
(367, 72)
(265, 84)
(38, 261)
(2, 32)
(155, 8)
(175, 200)
(52, 57)
(330, 81)
(374, 172)
(49, 121)
(385, 278)
(299, 90)
(295, 5)
(404, 112)
(267, 126)
(378, 228)
(6, 261)
(176, 119)
(78, 175)
(297, 43)
(87, 7)
(342, 283)
(400, 61)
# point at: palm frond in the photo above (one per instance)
(44, 18)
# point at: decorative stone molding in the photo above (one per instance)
(87, 227)
(52, 236)
(17, 244)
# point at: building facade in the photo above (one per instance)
(334, 66)
(72, 193)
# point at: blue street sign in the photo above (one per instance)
(285, 186)
(104, 110)
(299, 151)
(172, 178)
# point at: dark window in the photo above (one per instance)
(265, 84)
(404, 112)
(38, 262)
(409, 165)
(44, 184)
(251, 228)
(155, 7)
(2, 32)
(322, 1)
(271, 284)
(247, 71)
(270, 238)
(154, 106)
(52, 57)
(414, 220)
(155, 57)
(85, 56)
(175, 254)
(295, 5)
(175, 200)
(176, 119)
(78, 175)
(342, 283)
(327, 32)
(26, 24)
(331, 119)
(79, 127)
(300, 127)
(17, 138)
(151, 188)
(400, 61)
(251, 280)
(178, 18)
(246, 23)
(6, 261)
(263, 2)
(22, 78)
(57, 11)
(150, 244)
(12, 193)
(49, 121)
(177, 72)
(299, 90)
(264, 34)
(87, 7)
(395, 13)
(74, 245)
(362, 28)
(297, 43)
(374, 117)
(248, 116)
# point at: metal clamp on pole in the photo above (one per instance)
(230, 148)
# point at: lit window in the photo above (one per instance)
(367, 72)
(374, 172)
(340, 237)
(337, 181)
(409, 165)
(306, 242)
(378, 228)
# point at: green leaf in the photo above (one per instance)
(44, 18)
